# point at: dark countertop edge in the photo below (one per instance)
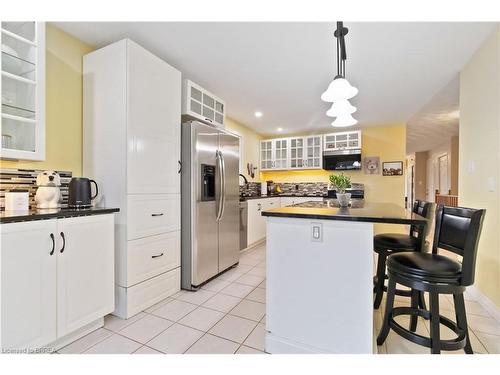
(57, 215)
(364, 219)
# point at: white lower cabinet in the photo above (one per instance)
(57, 276)
(28, 284)
(256, 230)
(85, 271)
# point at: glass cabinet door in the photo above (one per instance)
(313, 150)
(280, 154)
(23, 90)
(296, 153)
(266, 155)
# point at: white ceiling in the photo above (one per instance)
(436, 121)
(281, 69)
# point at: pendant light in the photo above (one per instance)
(340, 90)
(344, 120)
(341, 107)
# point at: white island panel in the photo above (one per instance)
(319, 293)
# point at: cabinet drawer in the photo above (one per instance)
(152, 214)
(130, 301)
(151, 256)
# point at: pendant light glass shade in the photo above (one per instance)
(341, 107)
(339, 89)
(344, 120)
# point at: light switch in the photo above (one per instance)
(471, 166)
(492, 184)
(316, 232)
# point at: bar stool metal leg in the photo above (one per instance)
(461, 317)
(435, 334)
(379, 287)
(415, 300)
(389, 305)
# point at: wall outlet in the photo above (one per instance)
(316, 232)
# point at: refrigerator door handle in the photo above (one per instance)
(221, 183)
(223, 193)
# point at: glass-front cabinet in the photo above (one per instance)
(342, 141)
(296, 153)
(23, 90)
(203, 105)
(291, 153)
(266, 155)
(314, 159)
(274, 154)
(280, 153)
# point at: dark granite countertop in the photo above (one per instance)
(43, 214)
(360, 211)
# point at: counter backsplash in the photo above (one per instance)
(303, 188)
(25, 179)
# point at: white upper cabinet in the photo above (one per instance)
(23, 90)
(342, 141)
(291, 153)
(266, 155)
(154, 150)
(202, 104)
(280, 153)
(274, 154)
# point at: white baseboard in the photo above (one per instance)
(476, 295)
(253, 245)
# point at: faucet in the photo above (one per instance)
(244, 178)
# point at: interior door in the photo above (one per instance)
(205, 192)
(443, 175)
(28, 284)
(85, 271)
(430, 181)
(229, 234)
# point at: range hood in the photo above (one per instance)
(342, 160)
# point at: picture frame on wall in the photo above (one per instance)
(392, 168)
(371, 165)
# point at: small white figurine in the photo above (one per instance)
(48, 194)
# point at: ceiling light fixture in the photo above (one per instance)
(344, 120)
(340, 90)
(258, 114)
(280, 129)
(341, 107)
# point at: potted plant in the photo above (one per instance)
(341, 182)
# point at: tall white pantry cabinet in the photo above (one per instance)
(132, 119)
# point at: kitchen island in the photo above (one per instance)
(320, 275)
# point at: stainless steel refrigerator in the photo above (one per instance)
(210, 203)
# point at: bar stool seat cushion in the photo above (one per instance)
(424, 266)
(394, 242)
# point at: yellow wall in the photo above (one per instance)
(250, 146)
(63, 117)
(479, 144)
(387, 142)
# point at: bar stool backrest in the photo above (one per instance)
(458, 230)
(424, 209)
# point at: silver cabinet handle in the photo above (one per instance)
(160, 214)
(157, 256)
(259, 206)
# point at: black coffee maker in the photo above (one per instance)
(80, 192)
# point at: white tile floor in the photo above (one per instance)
(227, 316)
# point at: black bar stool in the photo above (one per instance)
(457, 230)
(389, 243)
